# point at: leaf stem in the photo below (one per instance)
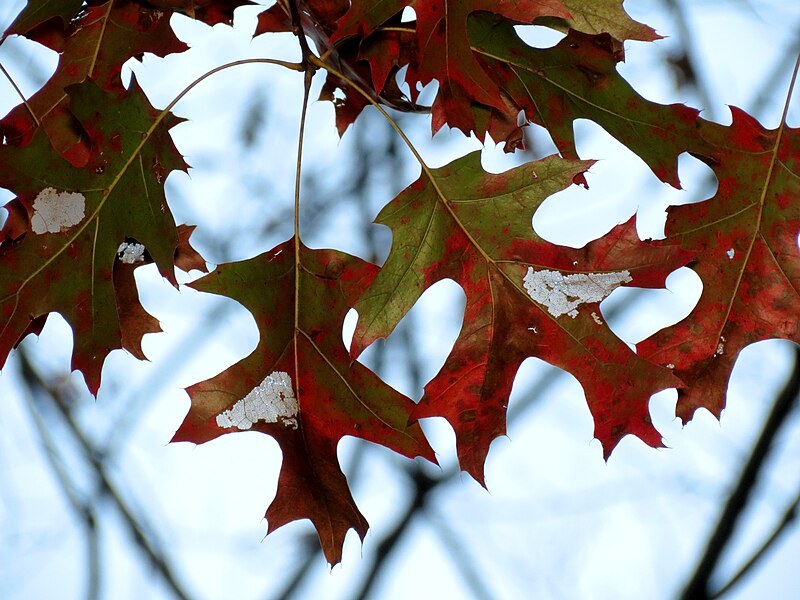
(308, 74)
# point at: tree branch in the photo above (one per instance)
(698, 586)
(83, 509)
(37, 385)
(788, 517)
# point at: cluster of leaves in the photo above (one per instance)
(84, 137)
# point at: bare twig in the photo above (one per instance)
(788, 517)
(698, 586)
(689, 57)
(461, 558)
(423, 486)
(83, 509)
(137, 526)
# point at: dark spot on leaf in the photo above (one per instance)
(468, 416)
(334, 269)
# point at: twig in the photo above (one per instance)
(21, 95)
(297, 25)
(136, 526)
(84, 510)
(463, 562)
(423, 486)
(293, 585)
(788, 517)
(698, 586)
(777, 74)
(687, 43)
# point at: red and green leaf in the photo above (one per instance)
(37, 12)
(333, 398)
(745, 241)
(577, 79)
(443, 50)
(474, 228)
(601, 16)
(72, 270)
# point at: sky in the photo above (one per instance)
(556, 521)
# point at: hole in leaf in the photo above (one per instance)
(539, 36)
(436, 319)
(408, 16)
(698, 182)
(634, 314)
(349, 327)
(575, 216)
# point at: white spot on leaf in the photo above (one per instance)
(271, 401)
(562, 294)
(130, 253)
(55, 211)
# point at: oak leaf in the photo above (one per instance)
(745, 241)
(525, 297)
(37, 12)
(299, 386)
(577, 79)
(601, 16)
(94, 45)
(71, 226)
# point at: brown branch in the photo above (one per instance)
(698, 586)
(788, 517)
(297, 25)
(84, 510)
(423, 486)
(138, 529)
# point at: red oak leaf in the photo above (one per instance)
(577, 79)
(525, 297)
(443, 48)
(94, 45)
(79, 223)
(745, 240)
(299, 386)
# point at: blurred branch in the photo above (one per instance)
(137, 526)
(84, 510)
(778, 73)
(310, 551)
(698, 586)
(687, 63)
(423, 486)
(461, 558)
(788, 517)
